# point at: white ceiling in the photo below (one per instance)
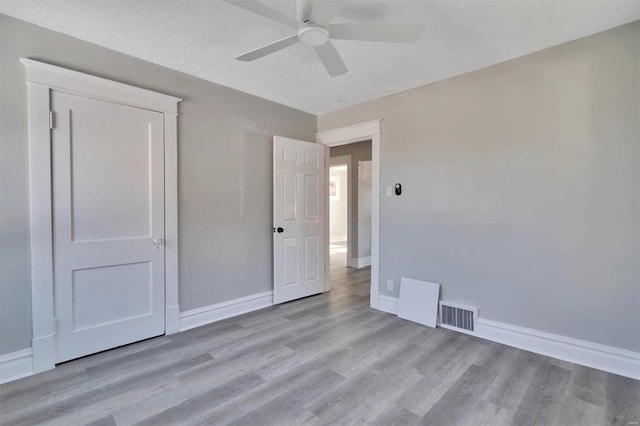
(201, 38)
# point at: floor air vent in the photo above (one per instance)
(459, 318)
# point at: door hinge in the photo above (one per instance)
(51, 120)
(55, 326)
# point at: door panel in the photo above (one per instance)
(312, 159)
(96, 294)
(290, 259)
(311, 198)
(289, 197)
(101, 147)
(298, 191)
(108, 207)
(311, 257)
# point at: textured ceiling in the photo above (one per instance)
(201, 38)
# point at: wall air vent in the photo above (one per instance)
(457, 317)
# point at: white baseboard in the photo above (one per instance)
(607, 358)
(16, 365)
(602, 357)
(359, 262)
(212, 313)
(338, 239)
(388, 304)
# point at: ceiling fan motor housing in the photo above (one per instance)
(313, 35)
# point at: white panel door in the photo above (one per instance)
(298, 219)
(108, 212)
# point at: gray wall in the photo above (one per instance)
(225, 161)
(521, 188)
(360, 151)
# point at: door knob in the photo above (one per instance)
(157, 242)
(280, 230)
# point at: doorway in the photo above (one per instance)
(108, 224)
(119, 238)
(350, 205)
(340, 205)
(350, 135)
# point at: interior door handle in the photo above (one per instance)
(157, 242)
(280, 230)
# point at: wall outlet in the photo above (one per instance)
(389, 285)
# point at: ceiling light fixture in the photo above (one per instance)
(313, 36)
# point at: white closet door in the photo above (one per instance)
(108, 210)
(298, 214)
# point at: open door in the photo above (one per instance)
(298, 219)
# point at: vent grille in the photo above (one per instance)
(457, 317)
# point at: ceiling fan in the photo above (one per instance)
(314, 28)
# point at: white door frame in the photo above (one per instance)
(338, 161)
(369, 130)
(42, 79)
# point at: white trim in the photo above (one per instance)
(171, 277)
(231, 308)
(66, 80)
(15, 365)
(327, 212)
(349, 134)
(358, 262)
(606, 358)
(42, 79)
(388, 304)
(40, 228)
(172, 319)
(602, 357)
(369, 130)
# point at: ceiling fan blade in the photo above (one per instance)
(269, 48)
(330, 59)
(385, 32)
(325, 10)
(265, 11)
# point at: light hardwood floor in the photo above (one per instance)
(327, 359)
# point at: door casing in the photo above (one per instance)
(42, 79)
